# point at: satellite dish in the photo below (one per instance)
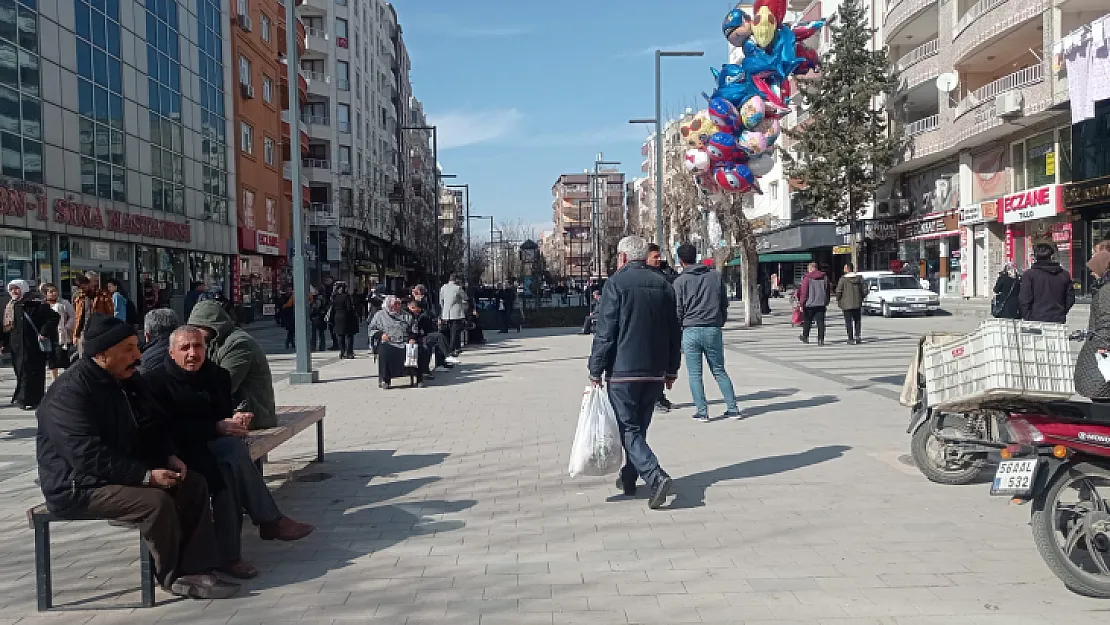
(947, 82)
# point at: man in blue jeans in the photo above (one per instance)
(636, 351)
(702, 309)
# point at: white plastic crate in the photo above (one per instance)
(1001, 359)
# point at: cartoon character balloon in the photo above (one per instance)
(737, 26)
(767, 15)
(696, 131)
(734, 178)
(721, 147)
(771, 129)
(724, 114)
(752, 112)
(696, 161)
(752, 142)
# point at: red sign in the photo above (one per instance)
(268, 243)
(20, 199)
(1038, 203)
(85, 216)
(341, 42)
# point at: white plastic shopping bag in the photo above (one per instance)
(412, 355)
(597, 441)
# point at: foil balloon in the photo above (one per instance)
(696, 160)
(761, 165)
(720, 147)
(752, 142)
(767, 16)
(737, 26)
(752, 112)
(771, 129)
(724, 114)
(697, 130)
(707, 185)
(734, 178)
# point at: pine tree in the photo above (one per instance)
(844, 149)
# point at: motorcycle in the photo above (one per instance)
(1059, 461)
(947, 447)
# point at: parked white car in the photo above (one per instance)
(892, 294)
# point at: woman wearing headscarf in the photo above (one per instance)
(1006, 290)
(30, 333)
(394, 323)
(1089, 381)
(344, 319)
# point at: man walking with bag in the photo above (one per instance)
(702, 306)
(636, 349)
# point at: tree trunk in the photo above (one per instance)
(749, 282)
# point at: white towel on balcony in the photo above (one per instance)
(1098, 33)
(1079, 71)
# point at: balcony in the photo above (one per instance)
(926, 124)
(316, 163)
(318, 82)
(316, 7)
(902, 12)
(987, 21)
(1021, 78)
(316, 120)
(285, 130)
(317, 41)
(919, 65)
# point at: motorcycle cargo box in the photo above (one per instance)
(1002, 359)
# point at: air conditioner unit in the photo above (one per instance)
(246, 90)
(1008, 105)
(245, 22)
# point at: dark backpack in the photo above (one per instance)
(132, 313)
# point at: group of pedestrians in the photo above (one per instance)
(1044, 292)
(644, 325)
(815, 293)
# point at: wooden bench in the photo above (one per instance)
(292, 420)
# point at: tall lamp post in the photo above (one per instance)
(659, 54)
(467, 187)
(435, 173)
(603, 192)
(302, 370)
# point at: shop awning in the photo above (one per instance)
(785, 257)
(735, 262)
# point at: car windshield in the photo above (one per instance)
(899, 282)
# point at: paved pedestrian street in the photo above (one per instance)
(453, 505)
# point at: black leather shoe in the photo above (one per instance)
(660, 492)
(629, 491)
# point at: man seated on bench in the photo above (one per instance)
(196, 395)
(104, 453)
(237, 352)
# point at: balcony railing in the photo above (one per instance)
(320, 207)
(977, 10)
(312, 31)
(1026, 76)
(316, 76)
(923, 125)
(316, 163)
(316, 120)
(923, 51)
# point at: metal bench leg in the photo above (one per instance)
(146, 572)
(43, 586)
(320, 440)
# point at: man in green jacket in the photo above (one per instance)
(236, 351)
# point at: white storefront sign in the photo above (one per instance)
(1032, 204)
(267, 243)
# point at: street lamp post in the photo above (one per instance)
(659, 54)
(302, 370)
(467, 187)
(435, 173)
(602, 194)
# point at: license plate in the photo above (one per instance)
(1014, 477)
(917, 305)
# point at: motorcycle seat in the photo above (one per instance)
(1083, 410)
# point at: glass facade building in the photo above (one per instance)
(20, 91)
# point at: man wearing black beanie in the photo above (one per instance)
(103, 453)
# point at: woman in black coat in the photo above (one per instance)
(1006, 290)
(27, 318)
(344, 318)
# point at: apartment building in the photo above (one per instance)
(261, 121)
(589, 216)
(114, 144)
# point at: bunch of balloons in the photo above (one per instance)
(729, 143)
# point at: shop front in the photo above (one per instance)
(257, 273)
(1088, 205)
(930, 247)
(1035, 216)
(787, 251)
(982, 248)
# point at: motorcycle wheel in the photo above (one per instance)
(1064, 531)
(928, 454)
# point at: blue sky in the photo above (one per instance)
(523, 91)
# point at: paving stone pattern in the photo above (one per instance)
(452, 505)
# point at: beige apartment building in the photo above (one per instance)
(589, 217)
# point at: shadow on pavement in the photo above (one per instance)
(796, 404)
(896, 380)
(18, 433)
(690, 490)
(773, 393)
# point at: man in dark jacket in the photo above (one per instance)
(591, 317)
(813, 297)
(158, 325)
(702, 308)
(239, 353)
(209, 431)
(104, 453)
(506, 301)
(655, 260)
(1046, 289)
(637, 351)
(193, 297)
(849, 297)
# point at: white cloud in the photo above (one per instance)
(461, 128)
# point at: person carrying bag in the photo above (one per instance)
(1006, 290)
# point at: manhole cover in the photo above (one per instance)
(907, 460)
(312, 477)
